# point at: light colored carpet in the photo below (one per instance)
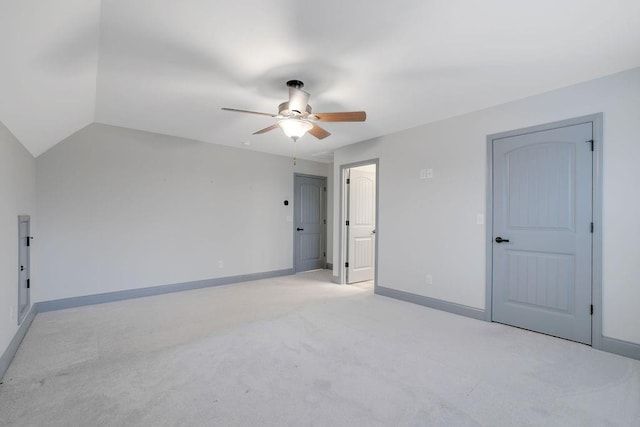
(299, 350)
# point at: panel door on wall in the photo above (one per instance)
(362, 223)
(542, 211)
(24, 266)
(309, 222)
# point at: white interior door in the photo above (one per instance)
(542, 211)
(361, 214)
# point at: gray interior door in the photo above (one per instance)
(310, 229)
(24, 266)
(542, 212)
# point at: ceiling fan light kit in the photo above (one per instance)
(295, 128)
(296, 118)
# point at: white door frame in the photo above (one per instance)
(342, 247)
(596, 272)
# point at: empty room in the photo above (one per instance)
(285, 213)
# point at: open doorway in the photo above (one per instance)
(359, 231)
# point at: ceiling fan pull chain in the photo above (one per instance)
(295, 159)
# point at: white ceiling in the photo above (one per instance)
(168, 66)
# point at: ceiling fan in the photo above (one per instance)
(295, 117)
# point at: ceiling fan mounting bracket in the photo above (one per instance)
(295, 83)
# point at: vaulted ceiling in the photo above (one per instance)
(168, 66)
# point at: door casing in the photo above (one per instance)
(596, 269)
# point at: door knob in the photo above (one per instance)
(501, 240)
(373, 232)
(300, 229)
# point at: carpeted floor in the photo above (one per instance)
(298, 351)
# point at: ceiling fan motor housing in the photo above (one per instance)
(283, 110)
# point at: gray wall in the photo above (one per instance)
(429, 226)
(124, 209)
(17, 197)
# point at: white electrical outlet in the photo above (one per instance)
(220, 263)
(480, 219)
(289, 218)
(429, 173)
(423, 174)
(429, 279)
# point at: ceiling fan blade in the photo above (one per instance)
(318, 132)
(345, 116)
(247, 111)
(298, 100)
(267, 129)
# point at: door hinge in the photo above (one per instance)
(324, 254)
(592, 309)
(592, 144)
(325, 222)
(28, 283)
(348, 180)
(592, 227)
(28, 240)
(346, 264)
(347, 223)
